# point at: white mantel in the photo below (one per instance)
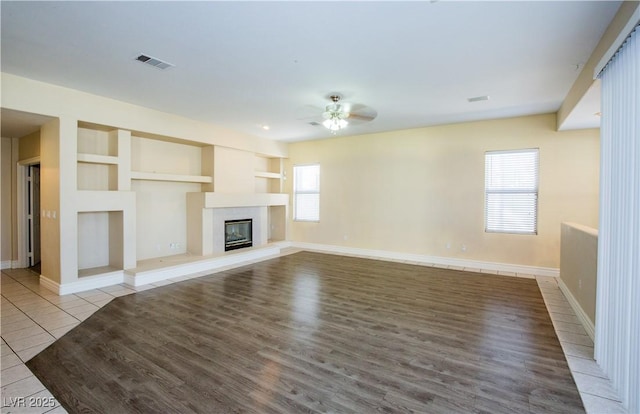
(207, 211)
(231, 200)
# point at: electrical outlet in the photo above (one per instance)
(464, 248)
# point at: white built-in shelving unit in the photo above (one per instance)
(132, 191)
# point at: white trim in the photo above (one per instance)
(281, 244)
(580, 313)
(432, 260)
(84, 283)
(135, 279)
(21, 215)
(29, 161)
(50, 284)
(238, 258)
(633, 21)
(6, 264)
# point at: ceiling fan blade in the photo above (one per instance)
(361, 113)
(362, 117)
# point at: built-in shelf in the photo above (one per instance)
(97, 159)
(139, 175)
(264, 174)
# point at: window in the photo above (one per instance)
(306, 192)
(511, 187)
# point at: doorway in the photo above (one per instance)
(29, 214)
(33, 216)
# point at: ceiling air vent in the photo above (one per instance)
(478, 98)
(314, 123)
(156, 63)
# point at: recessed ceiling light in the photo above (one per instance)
(263, 126)
(478, 98)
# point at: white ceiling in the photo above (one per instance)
(244, 64)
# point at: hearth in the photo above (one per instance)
(238, 234)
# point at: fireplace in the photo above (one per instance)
(238, 234)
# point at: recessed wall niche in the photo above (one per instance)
(100, 242)
(97, 160)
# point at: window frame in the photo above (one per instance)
(511, 190)
(297, 192)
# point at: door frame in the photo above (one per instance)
(22, 216)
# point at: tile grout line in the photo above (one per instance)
(36, 322)
(544, 292)
(53, 337)
(57, 404)
(7, 343)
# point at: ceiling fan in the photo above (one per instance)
(338, 115)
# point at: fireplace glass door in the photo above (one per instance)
(238, 234)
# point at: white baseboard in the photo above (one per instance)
(83, 284)
(157, 275)
(50, 284)
(434, 260)
(281, 244)
(580, 313)
(237, 258)
(11, 264)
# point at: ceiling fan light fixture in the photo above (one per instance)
(335, 122)
(334, 115)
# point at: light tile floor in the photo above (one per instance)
(33, 317)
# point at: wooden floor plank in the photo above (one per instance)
(312, 332)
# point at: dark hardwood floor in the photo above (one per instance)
(313, 332)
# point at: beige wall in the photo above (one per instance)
(233, 171)
(50, 200)
(6, 175)
(161, 207)
(29, 146)
(422, 190)
(579, 265)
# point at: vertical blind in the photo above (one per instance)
(511, 186)
(306, 192)
(617, 339)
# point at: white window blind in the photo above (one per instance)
(306, 192)
(511, 187)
